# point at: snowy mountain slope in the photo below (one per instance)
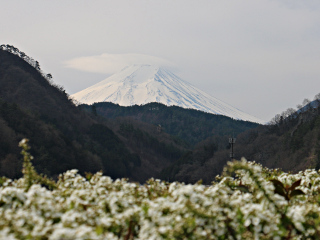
(141, 84)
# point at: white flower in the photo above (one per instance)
(266, 229)
(247, 222)
(255, 221)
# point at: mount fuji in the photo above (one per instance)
(142, 84)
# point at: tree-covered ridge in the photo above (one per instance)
(94, 149)
(64, 137)
(34, 63)
(190, 125)
(143, 139)
(290, 141)
(156, 149)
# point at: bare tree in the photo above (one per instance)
(291, 113)
(275, 120)
(288, 114)
(299, 106)
(317, 99)
(306, 103)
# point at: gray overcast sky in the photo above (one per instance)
(259, 56)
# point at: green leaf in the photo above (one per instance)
(281, 192)
(296, 192)
(277, 183)
(99, 230)
(279, 188)
(295, 184)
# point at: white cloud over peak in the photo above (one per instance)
(107, 63)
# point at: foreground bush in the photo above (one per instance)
(255, 203)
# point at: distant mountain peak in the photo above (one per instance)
(142, 84)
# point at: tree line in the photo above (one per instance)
(31, 61)
(291, 113)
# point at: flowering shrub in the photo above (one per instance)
(243, 203)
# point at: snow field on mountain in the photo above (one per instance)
(142, 84)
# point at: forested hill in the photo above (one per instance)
(61, 135)
(190, 125)
(291, 142)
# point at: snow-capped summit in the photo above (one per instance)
(142, 84)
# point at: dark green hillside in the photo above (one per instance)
(62, 136)
(156, 149)
(190, 125)
(291, 143)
